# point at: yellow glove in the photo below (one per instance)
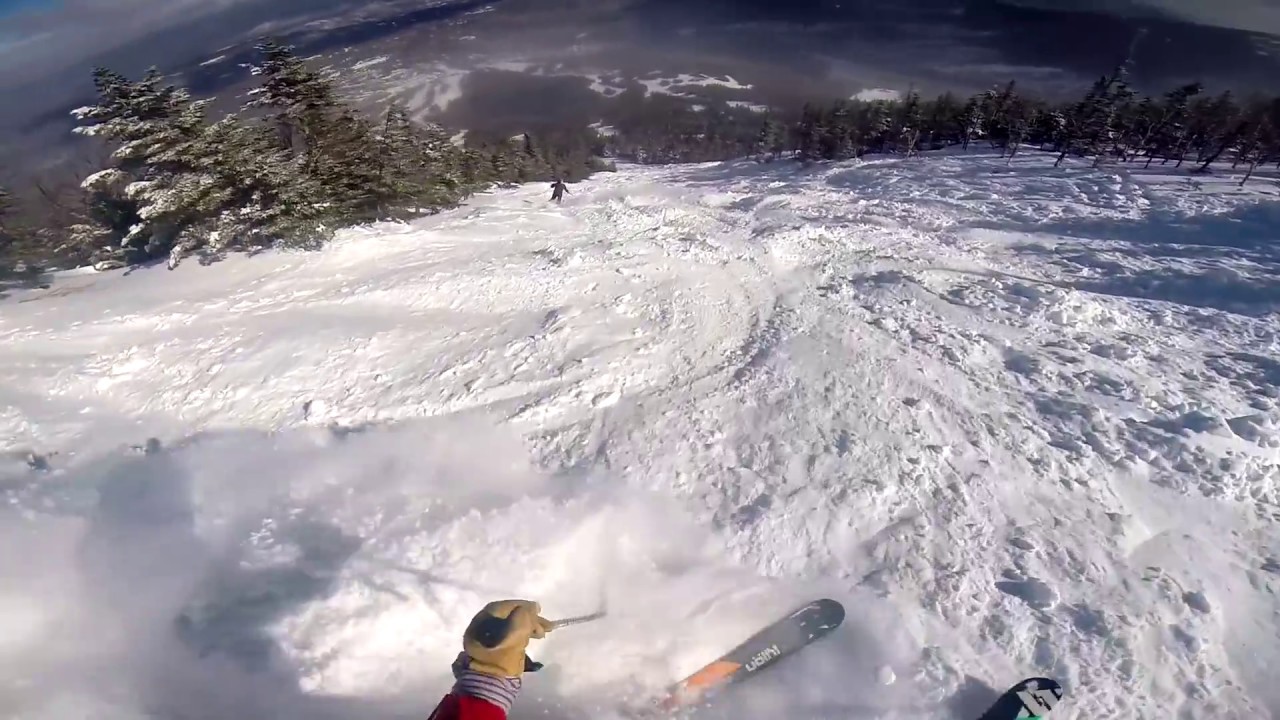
(498, 635)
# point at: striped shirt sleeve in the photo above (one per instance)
(499, 691)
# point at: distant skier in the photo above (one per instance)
(558, 189)
(488, 672)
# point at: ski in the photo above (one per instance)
(1031, 698)
(765, 649)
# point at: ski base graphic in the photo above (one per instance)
(1031, 698)
(762, 650)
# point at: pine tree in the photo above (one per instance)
(258, 195)
(1219, 125)
(769, 140)
(6, 206)
(1092, 121)
(909, 120)
(345, 163)
(836, 132)
(1115, 119)
(301, 101)
(340, 148)
(530, 162)
(9, 265)
(180, 184)
(1020, 117)
(942, 121)
(400, 154)
(1267, 145)
(501, 168)
(972, 121)
(808, 140)
(417, 164)
(877, 125)
(18, 257)
(156, 130)
(996, 106)
(1165, 123)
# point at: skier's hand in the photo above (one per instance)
(498, 635)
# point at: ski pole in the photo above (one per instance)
(566, 622)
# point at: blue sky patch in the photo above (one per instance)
(11, 7)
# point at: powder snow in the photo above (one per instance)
(1020, 420)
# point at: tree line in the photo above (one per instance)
(292, 165)
(1111, 123)
(296, 162)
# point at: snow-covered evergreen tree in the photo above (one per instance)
(179, 184)
(156, 130)
(301, 101)
(250, 193)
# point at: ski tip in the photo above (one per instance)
(1033, 697)
(830, 608)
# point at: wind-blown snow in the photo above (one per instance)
(1021, 420)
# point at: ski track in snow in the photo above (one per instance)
(1021, 420)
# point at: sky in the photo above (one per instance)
(39, 35)
(9, 7)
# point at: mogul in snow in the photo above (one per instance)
(489, 671)
(558, 189)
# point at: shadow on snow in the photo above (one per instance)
(1228, 262)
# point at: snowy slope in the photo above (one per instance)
(1020, 420)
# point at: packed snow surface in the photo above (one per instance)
(1020, 420)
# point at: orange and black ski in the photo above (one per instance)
(762, 650)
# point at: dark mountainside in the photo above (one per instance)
(796, 38)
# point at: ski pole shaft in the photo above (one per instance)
(566, 622)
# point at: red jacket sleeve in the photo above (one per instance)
(465, 707)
